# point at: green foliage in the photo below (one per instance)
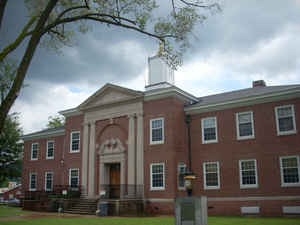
(8, 69)
(55, 121)
(10, 149)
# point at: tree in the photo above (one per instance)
(10, 148)
(54, 21)
(55, 121)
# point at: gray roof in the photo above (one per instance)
(51, 131)
(243, 93)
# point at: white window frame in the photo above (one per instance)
(71, 141)
(277, 120)
(164, 180)
(243, 186)
(202, 125)
(46, 173)
(30, 174)
(37, 151)
(163, 132)
(204, 175)
(238, 126)
(180, 165)
(283, 184)
(52, 157)
(71, 169)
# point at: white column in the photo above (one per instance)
(91, 190)
(140, 151)
(85, 153)
(131, 151)
(123, 174)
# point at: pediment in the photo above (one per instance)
(110, 94)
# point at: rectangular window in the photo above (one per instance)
(211, 175)
(50, 150)
(48, 181)
(75, 141)
(181, 173)
(157, 131)
(244, 125)
(285, 119)
(209, 130)
(157, 174)
(74, 177)
(248, 174)
(32, 181)
(290, 171)
(34, 151)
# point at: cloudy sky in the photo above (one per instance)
(248, 40)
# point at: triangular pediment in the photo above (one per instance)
(110, 94)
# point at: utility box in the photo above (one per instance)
(191, 210)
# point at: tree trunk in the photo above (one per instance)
(24, 64)
(2, 10)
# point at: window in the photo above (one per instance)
(34, 151)
(32, 182)
(75, 141)
(244, 125)
(290, 171)
(209, 130)
(48, 181)
(157, 131)
(181, 173)
(248, 174)
(211, 175)
(50, 150)
(285, 119)
(74, 177)
(157, 174)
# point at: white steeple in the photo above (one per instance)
(160, 74)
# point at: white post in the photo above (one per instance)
(91, 192)
(85, 152)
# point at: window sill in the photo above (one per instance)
(210, 142)
(32, 189)
(33, 159)
(248, 186)
(157, 189)
(212, 188)
(290, 185)
(50, 158)
(245, 138)
(75, 151)
(157, 143)
(286, 133)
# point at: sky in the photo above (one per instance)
(247, 41)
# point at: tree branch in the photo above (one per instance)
(70, 9)
(24, 64)
(195, 4)
(18, 40)
(2, 10)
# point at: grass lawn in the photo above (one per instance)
(10, 216)
(10, 211)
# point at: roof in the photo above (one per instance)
(49, 132)
(244, 95)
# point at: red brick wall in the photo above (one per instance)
(72, 160)
(42, 165)
(266, 148)
(175, 143)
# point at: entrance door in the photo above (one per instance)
(114, 177)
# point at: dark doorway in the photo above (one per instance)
(114, 178)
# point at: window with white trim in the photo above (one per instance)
(209, 130)
(32, 181)
(290, 171)
(211, 173)
(74, 177)
(48, 181)
(34, 151)
(75, 141)
(157, 176)
(157, 131)
(181, 172)
(248, 173)
(50, 150)
(244, 125)
(285, 119)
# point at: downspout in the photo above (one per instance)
(188, 123)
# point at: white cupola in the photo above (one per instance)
(160, 74)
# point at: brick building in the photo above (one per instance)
(244, 146)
